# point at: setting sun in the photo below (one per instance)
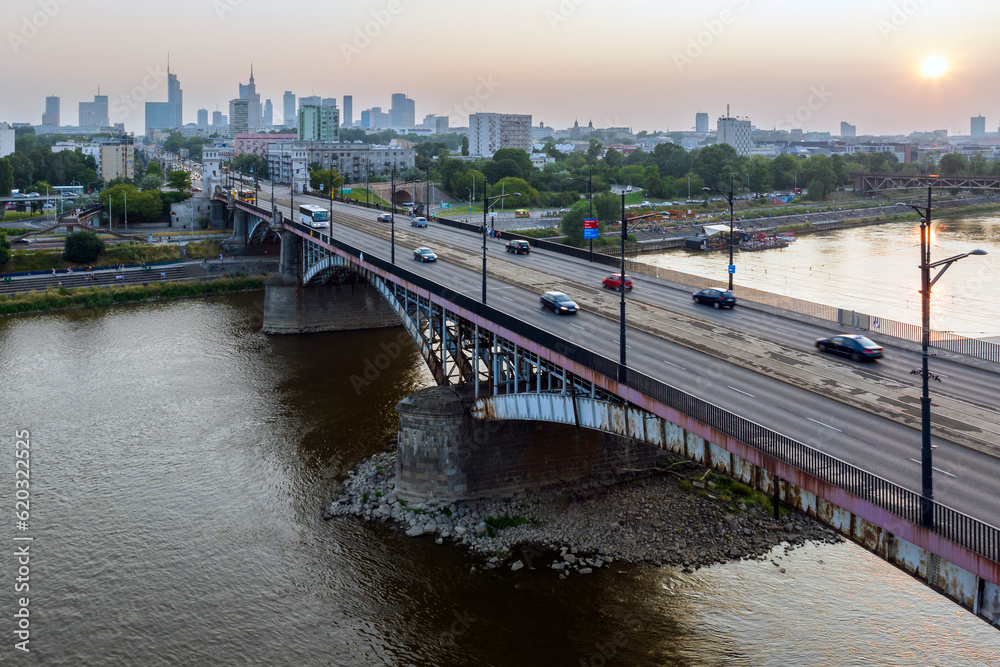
(934, 67)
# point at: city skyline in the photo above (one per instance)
(778, 64)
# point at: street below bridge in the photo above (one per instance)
(754, 361)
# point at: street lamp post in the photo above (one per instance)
(590, 198)
(729, 198)
(488, 202)
(392, 218)
(621, 366)
(926, 283)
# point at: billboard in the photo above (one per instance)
(590, 228)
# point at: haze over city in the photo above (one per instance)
(888, 68)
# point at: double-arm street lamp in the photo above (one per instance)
(926, 283)
(392, 216)
(488, 203)
(590, 198)
(729, 198)
(621, 288)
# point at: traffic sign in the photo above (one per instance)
(591, 229)
(445, 204)
(732, 268)
(345, 191)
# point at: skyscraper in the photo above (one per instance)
(219, 121)
(101, 109)
(701, 123)
(268, 114)
(88, 116)
(403, 111)
(348, 119)
(848, 130)
(51, 115)
(288, 116)
(736, 133)
(489, 132)
(978, 127)
(310, 100)
(249, 93)
(329, 102)
(202, 119)
(175, 98)
(239, 116)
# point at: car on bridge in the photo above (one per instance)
(614, 281)
(384, 217)
(424, 254)
(857, 347)
(418, 221)
(518, 247)
(559, 303)
(719, 298)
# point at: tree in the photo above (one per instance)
(613, 158)
(638, 156)
(594, 151)
(154, 170)
(150, 182)
(6, 177)
(671, 160)
(821, 177)
(607, 208)
(572, 222)
(83, 247)
(24, 170)
(760, 175)
(179, 180)
(715, 163)
(4, 249)
(512, 162)
(953, 164)
(507, 185)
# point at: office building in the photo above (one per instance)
(51, 115)
(403, 111)
(348, 117)
(239, 116)
(319, 123)
(978, 127)
(175, 98)
(489, 132)
(159, 116)
(329, 102)
(848, 130)
(701, 123)
(6, 139)
(218, 120)
(736, 133)
(289, 116)
(87, 115)
(249, 93)
(374, 118)
(117, 158)
(202, 119)
(255, 144)
(311, 100)
(355, 162)
(268, 114)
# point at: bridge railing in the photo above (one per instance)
(962, 529)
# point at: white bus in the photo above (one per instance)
(314, 216)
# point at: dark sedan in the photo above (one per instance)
(858, 348)
(718, 298)
(424, 255)
(559, 303)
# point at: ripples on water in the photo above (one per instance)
(180, 463)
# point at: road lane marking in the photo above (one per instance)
(741, 391)
(577, 326)
(670, 363)
(826, 425)
(785, 330)
(943, 472)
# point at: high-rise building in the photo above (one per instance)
(51, 115)
(348, 119)
(87, 115)
(701, 123)
(239, 116)
(175, 98)
(311, 100)
(159, 116)
(319, 123)
(202, 119)
(403, 111)
(329, 102)
(978, 126)
(7, 135)
(289, 116)
(101, 110)
(489, 132)
(736, 133)
(249, 93)
(218, 120)
(268, 114)
(117, 158)
(848, 130)
(374, 118)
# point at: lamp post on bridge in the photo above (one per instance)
(392, 217)
(729, 198)
(590, 198)
(926, 283)
(488, 202)
(622, 345)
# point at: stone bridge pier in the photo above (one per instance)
(339, 300)
(444, 453)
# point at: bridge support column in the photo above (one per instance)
(444, 453)
(290, 308)
(240, 226)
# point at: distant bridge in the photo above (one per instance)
(879, 182)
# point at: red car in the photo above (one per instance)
(614, 281)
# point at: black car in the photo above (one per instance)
(519, 247)
(858, 348)
(424, 255)
(713, 296)
(559, 303)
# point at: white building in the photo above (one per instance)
(489, 132)
(6, 140)
(736, 133)
(355, 162)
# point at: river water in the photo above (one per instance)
(180, 461)
(874, 270)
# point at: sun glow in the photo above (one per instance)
(934, 67)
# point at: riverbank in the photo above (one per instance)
(97, 297)
(680, 515)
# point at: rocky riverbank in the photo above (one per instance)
(680, 514)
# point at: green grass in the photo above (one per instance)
(121, 253)
(542, 233)
(363, 194)
(203, 249)
(93, 297)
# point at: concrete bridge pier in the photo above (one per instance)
(241, 221)
(445, 454)
(348, 304)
